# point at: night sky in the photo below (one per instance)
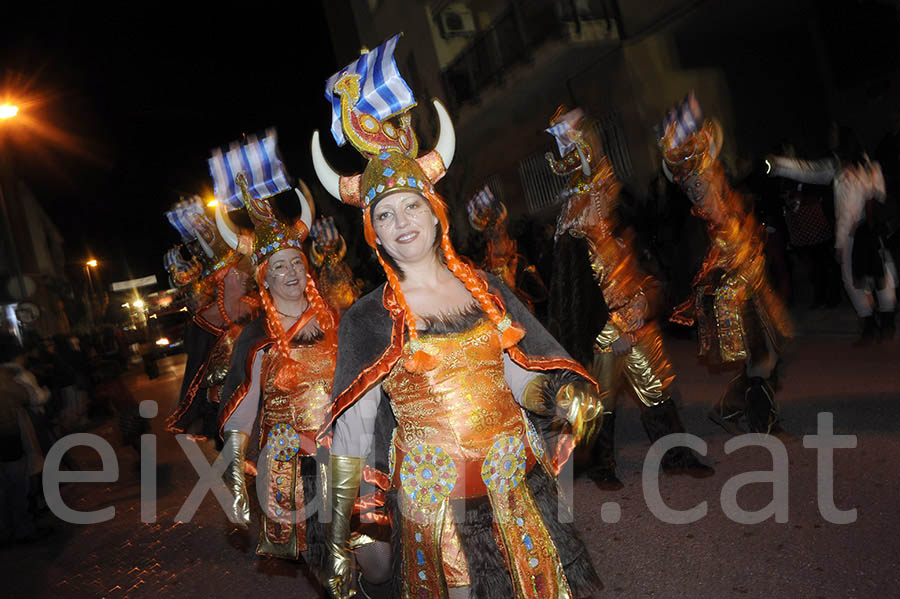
(124, 108)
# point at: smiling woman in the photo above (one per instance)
(486, 407)
(279, 382)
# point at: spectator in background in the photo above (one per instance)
(888, 155)
(868, 270)
(20, 456)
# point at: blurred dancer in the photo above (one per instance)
(216, 283)
(624, 350)
(740, 320)
(502, 258)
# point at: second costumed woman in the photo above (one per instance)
(469, 373)
(278, 389)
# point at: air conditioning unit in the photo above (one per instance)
(457, 21)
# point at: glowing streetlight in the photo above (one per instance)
(139, 304)
(92, 263)
(8, 111)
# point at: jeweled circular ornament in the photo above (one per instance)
(283, 442)
(427, 474)
(369, 123)
(389, 130)
(504, 466)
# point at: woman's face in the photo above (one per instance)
(696, 188)
(235, 283)
(405, 226)
(705, 193)
(286, 275)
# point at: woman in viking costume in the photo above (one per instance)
(625, 351)
(216, 282)
(470, 376)
(740, 319)
(278, 389)
(488, 216)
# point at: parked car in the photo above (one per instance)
(165, 332)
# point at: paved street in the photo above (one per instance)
(638, 556)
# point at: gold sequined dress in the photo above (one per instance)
(286, 425)
(470, 482)
(738, 315)
(461, 435)
(645, 367)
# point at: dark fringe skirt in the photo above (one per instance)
(315, 528)
(488, 571)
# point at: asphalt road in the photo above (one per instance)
(637, 556)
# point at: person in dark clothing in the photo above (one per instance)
(15, 462)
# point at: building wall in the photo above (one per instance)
(770, 71)
(39, 248)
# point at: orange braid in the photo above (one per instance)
(510, 334)
(220, 296)
(474, 283)
(325, 315)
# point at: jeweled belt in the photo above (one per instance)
(428, 474)
(286, 442)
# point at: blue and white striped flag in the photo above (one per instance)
(687, 118)
(563, 131)
(170, 261)
(181, 217)
(258, 160)
(383, 91)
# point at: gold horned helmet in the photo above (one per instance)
(593, 178)
(270, 234)
(390, 147)
(689, 145)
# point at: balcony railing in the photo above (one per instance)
(512, 37)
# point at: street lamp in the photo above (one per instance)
(8, 111)
(92, 263)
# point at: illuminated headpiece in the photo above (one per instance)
(326, 237)
(485, 210)
(370, 108)
(195, 222)
(690, 146)
(181, 272)
(581, 156)
(248, 175)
